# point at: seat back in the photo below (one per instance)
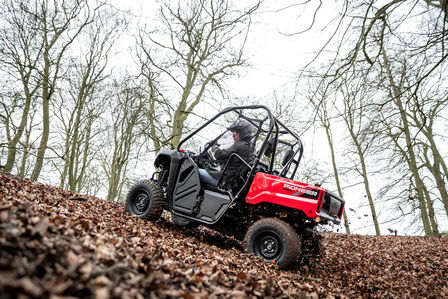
(234, 179)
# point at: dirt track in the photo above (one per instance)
(56, 243)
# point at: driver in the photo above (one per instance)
(242, 132)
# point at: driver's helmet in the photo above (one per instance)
(242, 127)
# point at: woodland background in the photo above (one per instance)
(83, 112)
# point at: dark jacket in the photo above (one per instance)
(241, 148)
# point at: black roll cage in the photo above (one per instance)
(273, 132)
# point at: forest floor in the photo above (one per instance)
(57, 244)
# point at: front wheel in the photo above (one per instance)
(145, 200)
(274, 240)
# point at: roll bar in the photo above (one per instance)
(275, 126)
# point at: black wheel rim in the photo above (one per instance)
(268, 246)
(141, 202)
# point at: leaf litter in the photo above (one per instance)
(55, 243)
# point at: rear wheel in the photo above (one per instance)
(274, 240)
(145, 199)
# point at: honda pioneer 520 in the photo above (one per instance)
(243, 187)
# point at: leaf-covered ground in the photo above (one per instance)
(54, 243)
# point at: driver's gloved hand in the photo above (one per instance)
(214, 148)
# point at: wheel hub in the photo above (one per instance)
(141, 202)
(269, 246)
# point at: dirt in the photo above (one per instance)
(58, 244)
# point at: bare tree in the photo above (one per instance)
(198, 46)
(85, 101)
(21, 51)
(324, 119)
(407, 150)
(424, 112)
(362, 132)
(413, 32)
(360, 29)
(59, 24)
(27, 144)
(128, 118)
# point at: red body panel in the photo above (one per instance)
(285, 192)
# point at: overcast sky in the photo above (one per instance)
(274, 55)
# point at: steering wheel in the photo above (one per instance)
(207, 154)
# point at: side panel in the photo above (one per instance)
(187, 188)
(213, 206)
(285, 192)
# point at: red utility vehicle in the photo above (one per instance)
(264, 206)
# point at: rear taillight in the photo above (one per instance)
(342, 210)
(321, 201)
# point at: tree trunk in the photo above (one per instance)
(45, 118)
(85, 157)
(366, 184)
(349, 117)
(12, 144)
(26, 147)
(410, 158)
(65, 157)
(72, 173)
(435, 167)
(432, 216)
(335, 170)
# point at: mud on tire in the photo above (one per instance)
(145, 199)
(273, 239)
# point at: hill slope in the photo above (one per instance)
(54, 242)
